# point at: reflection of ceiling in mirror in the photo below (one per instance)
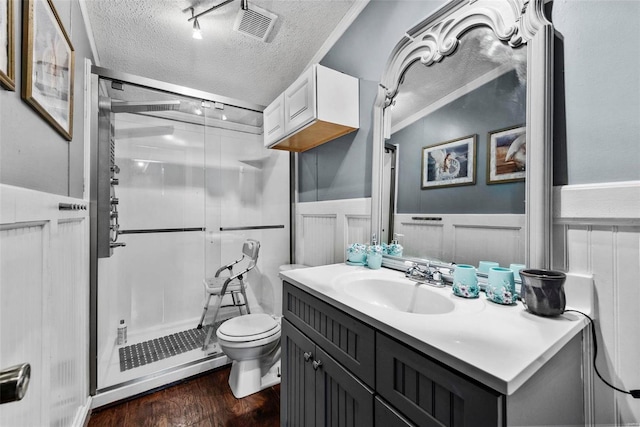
(480, 57)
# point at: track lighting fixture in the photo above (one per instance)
(197, 34)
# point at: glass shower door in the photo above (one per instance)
(152, 284)
(184, 183)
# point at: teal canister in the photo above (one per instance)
(485, 266)
(374, 257)
(465, 281)
(501, 286)
(357, 254)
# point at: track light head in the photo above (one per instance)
(197, 33)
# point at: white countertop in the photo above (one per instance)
(500, 346)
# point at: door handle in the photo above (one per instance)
(14, 382)
(307, 356)
(316, 364)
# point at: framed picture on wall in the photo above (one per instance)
(48, 61)
(506, 155)
(7, 66)
(449, 163)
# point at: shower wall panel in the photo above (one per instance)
(249, 188)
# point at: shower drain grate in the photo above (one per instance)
(135, 355)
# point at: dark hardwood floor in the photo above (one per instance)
(202, 401)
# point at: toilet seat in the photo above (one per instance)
(248, 328)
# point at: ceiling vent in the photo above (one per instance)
(255, 22)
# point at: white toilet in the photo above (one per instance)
(252, 341)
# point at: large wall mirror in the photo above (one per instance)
(462, 136)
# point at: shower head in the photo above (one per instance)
(144, 106)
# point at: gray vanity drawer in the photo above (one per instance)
(349, 341)
(386, 416)
(429, 394)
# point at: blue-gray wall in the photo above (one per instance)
(32, 154)
(496, 105)
(597, 106)
(341, 169)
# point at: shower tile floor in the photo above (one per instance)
(111, 373)
(135, 355)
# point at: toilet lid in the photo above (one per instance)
(249, 327)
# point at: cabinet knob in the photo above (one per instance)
(307, 356)
(316, 364)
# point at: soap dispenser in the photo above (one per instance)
(395, 248)
(374, 254)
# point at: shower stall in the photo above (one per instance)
(179, 180)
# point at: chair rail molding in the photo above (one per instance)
(601, 201)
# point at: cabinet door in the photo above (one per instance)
(273, 117)
(297, 390)
(347, 340)
(428, 393)
(342, 400)
(300, 102)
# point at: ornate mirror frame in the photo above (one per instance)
(516, 22)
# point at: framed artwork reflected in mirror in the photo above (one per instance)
(449, 163)
(507, 155)
(7, 66)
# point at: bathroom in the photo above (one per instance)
(594, 94)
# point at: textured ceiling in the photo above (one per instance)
(152, 38)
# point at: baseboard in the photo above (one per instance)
(83, 414)
(151, 382)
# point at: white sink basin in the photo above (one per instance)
(396, 294)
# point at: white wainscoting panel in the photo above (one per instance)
(44, 304)
(424, 237)
(324, 229)
(464, 239)
(358, 229)
(319, 239)
(605, 242)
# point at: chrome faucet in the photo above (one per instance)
(424, 273)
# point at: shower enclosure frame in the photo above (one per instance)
(96, 74)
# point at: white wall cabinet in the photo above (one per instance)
(321, 105)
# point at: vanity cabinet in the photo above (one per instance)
(321, 348)
(318, 391)
(321, 105)
(337, 370)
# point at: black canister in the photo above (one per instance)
(542, 291)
